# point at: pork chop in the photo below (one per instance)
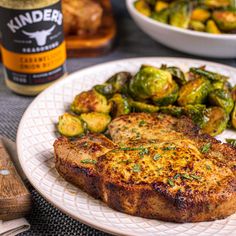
(157, 166)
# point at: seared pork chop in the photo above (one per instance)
(156, 167)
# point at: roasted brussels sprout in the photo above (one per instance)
(196, 25)
(216, 120)
(120, 105)
(162, 16)
(90, 101)
(226, 20)
(221, 85)
(202, 72)
(200, 14)
(180, 14)
(172, 110)
(143, 107)
(233, 117)
(222, 98)
(116, 84)
(153, 83)
(216, 3)
(70, 125)
(211, 27)
(233, 93)
(143, 7)
(177, 74)
(194, 92)
(96, 122)
(161, 5)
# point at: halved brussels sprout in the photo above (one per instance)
(194, 92)
(172, 110)
(143, 7)
(96, 122)
(211, 27)
(197, 25)
(202, 72)
(90, 101)
(226, 20)
(216, 120)
(153, 83)
(70, 125)
(120, 105)
(222, 98)
(215, 3)
(221, 85)
(161, 5)
(177, 74)
(162, 16)
(143, 107)
(180, 13)
(200, 14)
(233, 93)
(115, 84)
(233, 117)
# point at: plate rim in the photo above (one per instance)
(48, 198)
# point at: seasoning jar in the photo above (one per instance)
(32, 44)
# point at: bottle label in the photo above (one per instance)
(32, 44)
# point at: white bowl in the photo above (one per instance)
(198, 43)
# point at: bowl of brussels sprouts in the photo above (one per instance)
(200, 27)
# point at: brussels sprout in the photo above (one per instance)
(212, 28)
(194, 92)
(233, 117)
(153, 83)
(162, 16)
(116, 84)
(221, 85)
(200, 14)
(161, 5)
(222, 98)
(226, 20)
(143, 7)
(90, 101)
(120, 105)
(177, 74)
(196, 25)
(180, 14)
(201, 72)
(215, 3)
(96, 122)
(196, 113)
(233, 93)
(172, 110)
(216, 120)
(70, 125)
(143, 107)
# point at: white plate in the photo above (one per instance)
(184, 40)
(37, 133)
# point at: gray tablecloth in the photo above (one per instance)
(131, 42)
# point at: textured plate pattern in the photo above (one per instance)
(37, 133)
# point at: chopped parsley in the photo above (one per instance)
(157, 157)
(136, 168)
(205, 148)
(168, 148)
(88, 161)
(142, 123)
(185, 176)
(208, 167)
(195, 177)
(231, 141)
(131, 149)
(176, 176)
(143, 152)
(171, 183)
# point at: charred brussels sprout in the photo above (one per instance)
(153, 83)
(143, 7)
(70, 125)
(211, 27)
(96, 122)
(226, 20)
(196, 25)
(233, 117)
(143, 107)
(221, 85)
(90, 101)
(172, 110)
(194, 92)
(215, 3)
(161, 16)
(216, 120)
(222, 98)
(120, 105)
(180, 14)
(177, 74)
(116, 84)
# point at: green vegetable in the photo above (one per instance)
(231, 141)
(96, 122)
(88, 161)
(143, 107)
(120, 105)
(194, 92)
(185, 176)
(90, 101)
(195, 177)
(197, 25)
(136, 168)
(171, 183)
(172, 110)
(70, 125)
(205, 148)
(162, 16)
(226, 20)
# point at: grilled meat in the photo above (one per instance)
(156, 167)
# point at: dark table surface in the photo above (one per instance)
(131, 42)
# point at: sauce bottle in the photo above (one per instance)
(32, 44)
